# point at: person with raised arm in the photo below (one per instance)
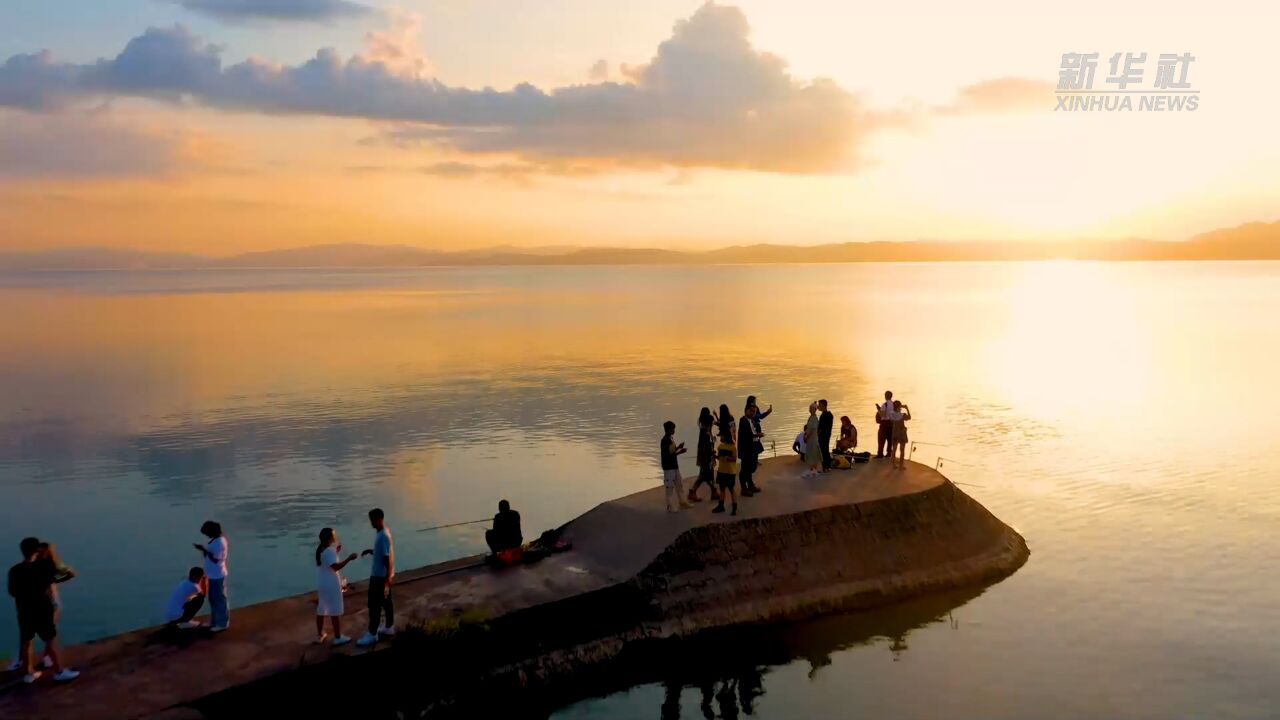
(898, 417)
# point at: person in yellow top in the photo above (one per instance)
(726, 470)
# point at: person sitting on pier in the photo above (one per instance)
(186, 600)
(799, 445)
(506, 533)
(848, 436)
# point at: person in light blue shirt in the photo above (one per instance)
(381, 573)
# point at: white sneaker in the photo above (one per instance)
(31, 677)
(67, 675)
(366, 640)
(220, 628)
(190, 625)
(387, 631)
(340, 641)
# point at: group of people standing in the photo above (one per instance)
(813, 443)
(728, 452)
(728, 455)
(210, 582)
(892, 417)
(33, 586)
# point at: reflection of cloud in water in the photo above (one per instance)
(282, 468)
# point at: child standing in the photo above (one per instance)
(726, 470)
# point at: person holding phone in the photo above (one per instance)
(669, 451)
(215, 569)
(329, 602)
(899, 417)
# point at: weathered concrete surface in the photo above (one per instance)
(847, 539)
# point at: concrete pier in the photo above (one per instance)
(845, 540)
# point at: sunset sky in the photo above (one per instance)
(225, 126)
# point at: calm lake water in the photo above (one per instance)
(1123, 417)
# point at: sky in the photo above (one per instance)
(228, 126)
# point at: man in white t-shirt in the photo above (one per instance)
(884, 429)
(215, 569)
(381, 572)
(186, 600)
(799, 446)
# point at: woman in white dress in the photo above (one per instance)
(329, 586)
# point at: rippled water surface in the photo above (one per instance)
(1122, 416)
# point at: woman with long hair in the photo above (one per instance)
(812, 453)
(848, 435)
(898, 445)
(329, 586)
(706, 457)
(724, 419)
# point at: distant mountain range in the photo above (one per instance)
(1252, 241)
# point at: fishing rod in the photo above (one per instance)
(464, 522)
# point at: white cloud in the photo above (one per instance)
(1001, 95)
(708, 98)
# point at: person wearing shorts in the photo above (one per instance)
(727, 470)
(31, 587)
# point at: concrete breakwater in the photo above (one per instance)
(789, 567)
(637, 578)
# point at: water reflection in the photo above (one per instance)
(726, 673)
(1083, 401)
